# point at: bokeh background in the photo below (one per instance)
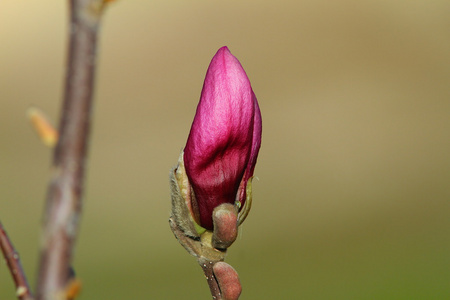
(352, 199)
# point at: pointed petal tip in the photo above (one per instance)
(224, 49)
(225, 53)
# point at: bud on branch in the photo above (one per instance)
(211, 186)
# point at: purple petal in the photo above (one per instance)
(256, 144)
(222, 144)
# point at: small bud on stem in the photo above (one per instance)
(225, 226)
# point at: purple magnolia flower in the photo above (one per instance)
(225, 137)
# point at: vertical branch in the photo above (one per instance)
(11, 256)
(63, 205)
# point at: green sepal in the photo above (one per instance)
(243, 213)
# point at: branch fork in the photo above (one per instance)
(222, 279)
(209, 247)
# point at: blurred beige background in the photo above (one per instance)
(353, 196)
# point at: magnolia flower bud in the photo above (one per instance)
(218, 161)
(211, 185)
(223, 144)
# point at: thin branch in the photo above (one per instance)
(23, 291)
(63, 205)
(207, 267)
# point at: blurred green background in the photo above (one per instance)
(352, 199)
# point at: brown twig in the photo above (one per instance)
(63, 206)
(11, 256)
(207, 267)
